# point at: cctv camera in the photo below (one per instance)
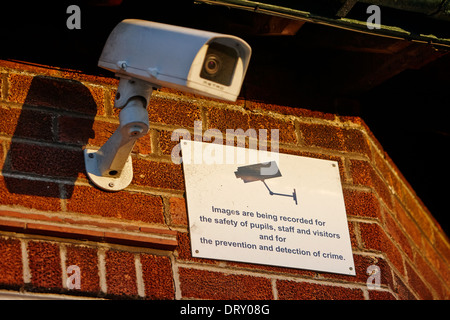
(147, 55)
(207, 63)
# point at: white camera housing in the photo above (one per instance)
(145, 55)
(202, 62)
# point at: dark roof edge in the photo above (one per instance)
(342, 23)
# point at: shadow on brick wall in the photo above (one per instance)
(53, 126)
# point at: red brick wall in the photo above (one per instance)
(135, 243)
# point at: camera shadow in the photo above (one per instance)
(46, 148)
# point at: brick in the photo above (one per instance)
(173, 111)
(430, 254)
(202, 284)
(356, 141)
(158, 277)
(98, 96)
(361, 204)
(10, 262)
(430, 276)
(45, 265)
(19, 85)
(87, 260)
(334, 138)
(122, 204)
(417, 284)
(165, 143)
(290, 290)
(286, 127)
(178, 212)
(223, 119)
(373, 237)
(380, 295)
(112, 100)
(390, 175)
(398, 236)
(363, 174)
(402, 290)
(44, 91)
(442, 245)
(353, 238)
(26, 123)
(45, 160)
(408, 224)
(30, 194)
(419, 213)
(84, 130)
(120, 273)
(157, 174)
(143, 145)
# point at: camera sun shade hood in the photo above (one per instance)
(171, 56)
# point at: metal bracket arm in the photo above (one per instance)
(110, 168)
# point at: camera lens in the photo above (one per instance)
(212, 64)
(219, 64)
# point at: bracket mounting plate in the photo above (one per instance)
(107, 183)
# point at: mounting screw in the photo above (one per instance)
(111, 184)
(135, 130)
(122, 65)
(91, 155)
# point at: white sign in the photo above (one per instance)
(266, 208)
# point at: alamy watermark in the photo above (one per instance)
(74, 20)
(374, 280)
(374, 20)
(74, 277)
(217, 153)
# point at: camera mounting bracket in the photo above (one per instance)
(132, 87)
(110, 168)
